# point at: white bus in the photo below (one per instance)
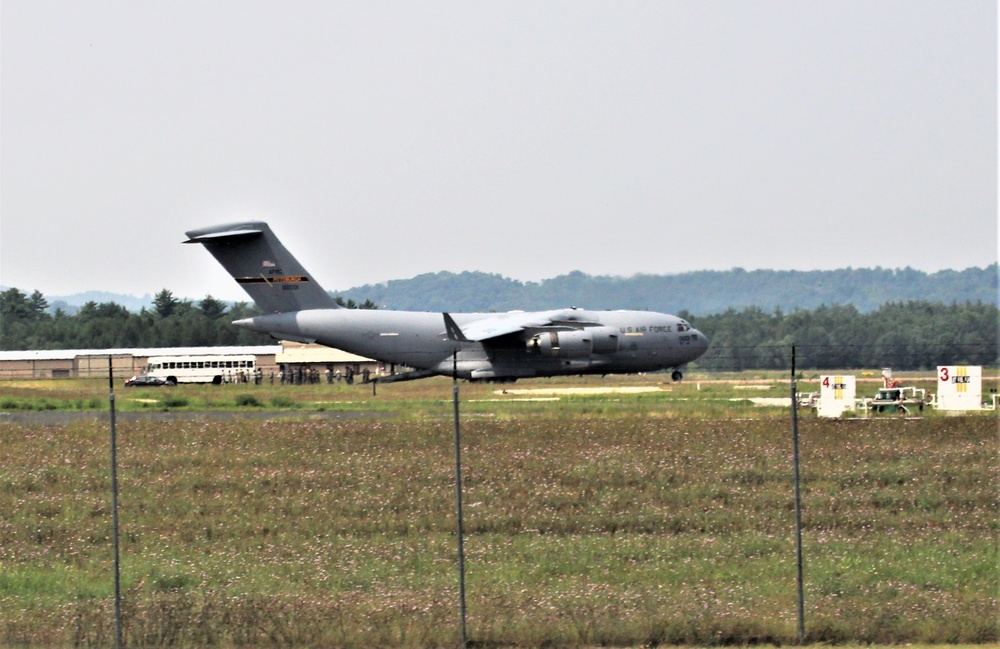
(217, 369)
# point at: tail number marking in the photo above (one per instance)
(285, 279)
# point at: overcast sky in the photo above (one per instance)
(382, 140)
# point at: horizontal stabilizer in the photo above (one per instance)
(215, 237)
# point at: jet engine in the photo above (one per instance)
(573, 344)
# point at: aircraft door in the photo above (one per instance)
(605, 340)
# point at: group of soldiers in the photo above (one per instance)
(298, 375)
(301, 375)
(243, 376)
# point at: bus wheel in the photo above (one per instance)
(217, 380)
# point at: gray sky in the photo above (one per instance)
(386, 139)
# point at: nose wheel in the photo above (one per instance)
(677, 376)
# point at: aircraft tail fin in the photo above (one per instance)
(269, 274)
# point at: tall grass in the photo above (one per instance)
(700, 395)
(617, 530)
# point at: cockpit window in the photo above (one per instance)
(683, 326)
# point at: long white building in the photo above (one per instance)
(93, 363)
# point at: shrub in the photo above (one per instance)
(174, 401)
(281, 401)
(248, 400)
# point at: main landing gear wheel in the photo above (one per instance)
(677, 376)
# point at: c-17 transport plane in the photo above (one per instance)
(474, 346)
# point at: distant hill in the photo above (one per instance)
(701, 292)
(70, 304)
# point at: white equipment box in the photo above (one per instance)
(960, 387)
(836, 395)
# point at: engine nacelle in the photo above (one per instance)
(574, 344)
(561, 344)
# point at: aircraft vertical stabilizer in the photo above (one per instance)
(269, 274)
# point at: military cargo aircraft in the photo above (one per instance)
(474, 346)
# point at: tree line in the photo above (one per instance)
(901, 335)
(27, 323)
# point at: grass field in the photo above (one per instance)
(615, 519)
(700, 395)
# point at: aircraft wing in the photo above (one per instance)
(503, 324)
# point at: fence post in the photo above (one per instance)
(114, 506)
(798, 506)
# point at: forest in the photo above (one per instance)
(907, 336)
(902, 335)
(702, 292)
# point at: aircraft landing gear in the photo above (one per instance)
(677, 376)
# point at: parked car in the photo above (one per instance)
(145, 381)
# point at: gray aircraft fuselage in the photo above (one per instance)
(613, 342)
(487, 346)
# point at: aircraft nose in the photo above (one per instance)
(700, 341)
